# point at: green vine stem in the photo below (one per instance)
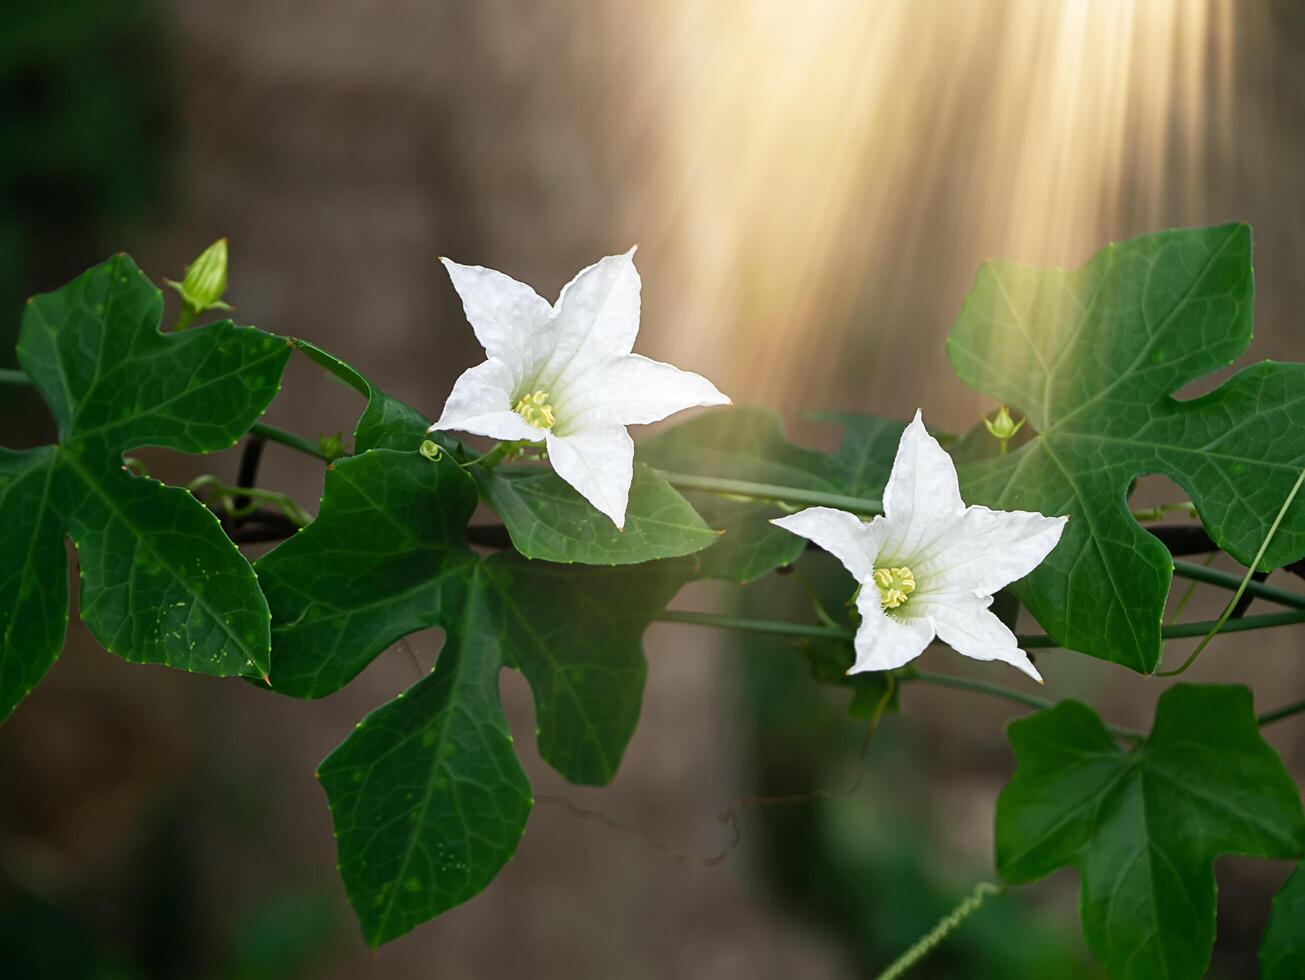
(766, 627)
(946, 925)
(1008, 694)
(779, 628)
(749, 490)
(1278, 714)
(1226, 580)
(272, 434)
(1159, 512)
(770, 491)
(1191, 587)
(226, 498)
(1035, 641)
(502, 452)
(797, 496)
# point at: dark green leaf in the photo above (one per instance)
(1093, 356)
(547, 519)
(428, 798)
(387, 556)
(33, 574)
(1282, 956)
(161, 583)
(1143, 827)
(575, 632)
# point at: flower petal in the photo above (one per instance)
(596, 317)
(481, 403)
(923, 496)
(885, 642)
(599, 463)
(635, 390)
(965, 624)
(845, 536)
(511, 321)
(987, 549)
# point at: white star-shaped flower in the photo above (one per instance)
(929, 566)
(563, 374)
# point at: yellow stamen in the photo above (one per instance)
(895, 585)
(536, 410)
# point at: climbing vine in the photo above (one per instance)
(595, 536)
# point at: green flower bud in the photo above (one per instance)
(1001, 426)
(430, 450)
(205, 281)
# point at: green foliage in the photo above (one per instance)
(1143, 827)
(388, 556)
(1094, 356)
(575, 634)
(547, 519)
(160, 582)
(428, 798)
(1282, 957)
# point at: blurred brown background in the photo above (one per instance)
(812, 187)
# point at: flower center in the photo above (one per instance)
(536, 410)
(895, 584)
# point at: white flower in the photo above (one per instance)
(563, 374)
(929, 566)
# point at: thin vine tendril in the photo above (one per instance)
(1232, 604)
(945, 927)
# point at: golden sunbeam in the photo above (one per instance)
(809, 152)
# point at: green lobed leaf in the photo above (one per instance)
(160, 581)
(33, 573)
(427, 795)
(1093, 356)
(1143, 827)
(575, 632)
(1282, 955)
(386, 556)
(748, 443)
(548, 520)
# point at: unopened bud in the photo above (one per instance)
(205, 281)
(1001, 426)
